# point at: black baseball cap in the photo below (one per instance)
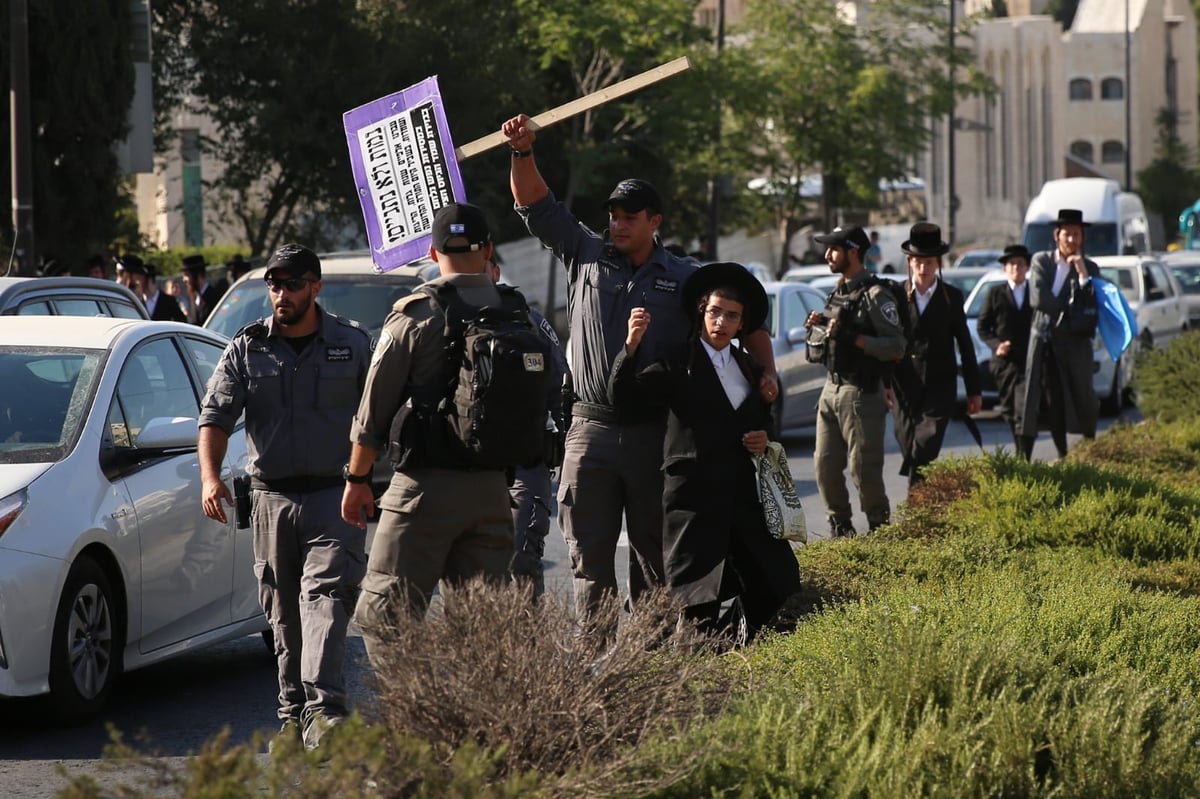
(634, 194)
(295, 260)
(854, 237)
(460, 227)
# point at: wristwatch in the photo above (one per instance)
(354, 478)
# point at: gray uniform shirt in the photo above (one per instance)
(410, 353)
(298, 405)
(602, 288)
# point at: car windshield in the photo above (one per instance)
(1124, 279)
(962, 280)
(44, 401)
(1189, 277)
(366, 301)
(977, 300)
(1100, 239)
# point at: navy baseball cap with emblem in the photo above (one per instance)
(460, 227)
(634, 194)
(840, 236)
(294, 260)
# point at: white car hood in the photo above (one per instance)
(15, 476)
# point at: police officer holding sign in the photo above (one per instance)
(297, 376)
(613, 458)
(858, 337)
(442, 518)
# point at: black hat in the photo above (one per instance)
(132, 264)
(925, 241)
(194, 263)
(294, 259)
(460, 227)
(853, 237)
(1070, 216)
(634, 194)
(736, 276)
(1015, 251)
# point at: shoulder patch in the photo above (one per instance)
(256, 329)
(548, 330)
(890, 312)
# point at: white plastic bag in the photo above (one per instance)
(777, 493)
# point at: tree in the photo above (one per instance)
(81, 87)
(1170, 182)
(851, 101)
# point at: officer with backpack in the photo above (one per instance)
(858, 338)
(613, 461)
(445, 514)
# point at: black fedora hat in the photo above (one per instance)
(925, 241)
(1070, 216)
(727, 273)
(1015, 251)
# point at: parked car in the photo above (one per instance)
(964, 278)
(978, 258)
(1109, 380)
(349, 287)
(1185, 264)
(805, 274)
(1153, 293)
(800, 381)
(68, 296)
(107, 562)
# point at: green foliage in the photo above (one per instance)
(81, 86)
(1171, 181)
(1168, 380)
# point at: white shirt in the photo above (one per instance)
(1062, 271)
(736, 386)
(923, 297)
(1018, 292)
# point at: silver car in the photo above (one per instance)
(1185, 266)
(800, 381)
(107, 561)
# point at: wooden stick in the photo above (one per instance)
(578, 106)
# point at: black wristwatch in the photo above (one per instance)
(358, 479)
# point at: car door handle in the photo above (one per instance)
(120, 513)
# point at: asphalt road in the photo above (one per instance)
(182, 703)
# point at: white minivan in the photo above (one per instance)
(1118, 218)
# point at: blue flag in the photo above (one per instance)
(1118, 322)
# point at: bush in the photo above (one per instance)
(1168, 380)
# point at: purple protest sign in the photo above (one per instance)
(404, 168)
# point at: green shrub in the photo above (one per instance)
(1168, 380)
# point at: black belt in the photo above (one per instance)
(610, 415)
(854, 380)
(597, 413)
(296, 485)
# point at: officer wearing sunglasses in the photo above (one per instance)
(297, 375)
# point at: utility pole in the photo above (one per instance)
(951, 188)
(714, 186)
(1128, 108)
(24, 253)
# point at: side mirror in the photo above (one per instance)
(166, 432)
(796, 336)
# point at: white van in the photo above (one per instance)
(1118, 218)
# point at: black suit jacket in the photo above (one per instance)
(931, 369)
(1001, 320)
(166, 309)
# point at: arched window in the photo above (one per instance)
(1112, 152)
(1081, 89)
(1112, 89)
(1083, 150)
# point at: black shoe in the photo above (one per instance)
(840, 529)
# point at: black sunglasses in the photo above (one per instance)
(290, 283)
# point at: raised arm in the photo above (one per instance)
(528, 185)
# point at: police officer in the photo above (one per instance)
(438, 520)
(862, 336)
(612, 464)
(531, 486)
(297, 375)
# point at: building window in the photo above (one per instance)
(1112, 152)
(1081, 89)
(1083, 150)
(1112, 89)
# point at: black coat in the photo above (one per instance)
(166, 309)
(926, 381)
(1072, 349)
(1001, 320)
(715, 541)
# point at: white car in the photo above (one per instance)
(1154, 294)
(800, 381)
(107, 562)
(1108, 381)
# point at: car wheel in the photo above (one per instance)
(85, 652)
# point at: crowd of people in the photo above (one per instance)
(190, 298)
(667, 405)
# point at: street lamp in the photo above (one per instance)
(1128, 107)
(951, 198)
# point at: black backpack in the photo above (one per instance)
(491, 411)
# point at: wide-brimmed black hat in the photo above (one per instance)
(1015, 251)
(925, 241)
(1070, 216)
(734, 275)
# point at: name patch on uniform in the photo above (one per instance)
(337, 353)
(666, 284)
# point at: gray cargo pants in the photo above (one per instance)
(610, 468)
(309, 565)
(850, 429)
(532, 501)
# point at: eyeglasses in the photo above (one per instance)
(291, 283)
(714, 313)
